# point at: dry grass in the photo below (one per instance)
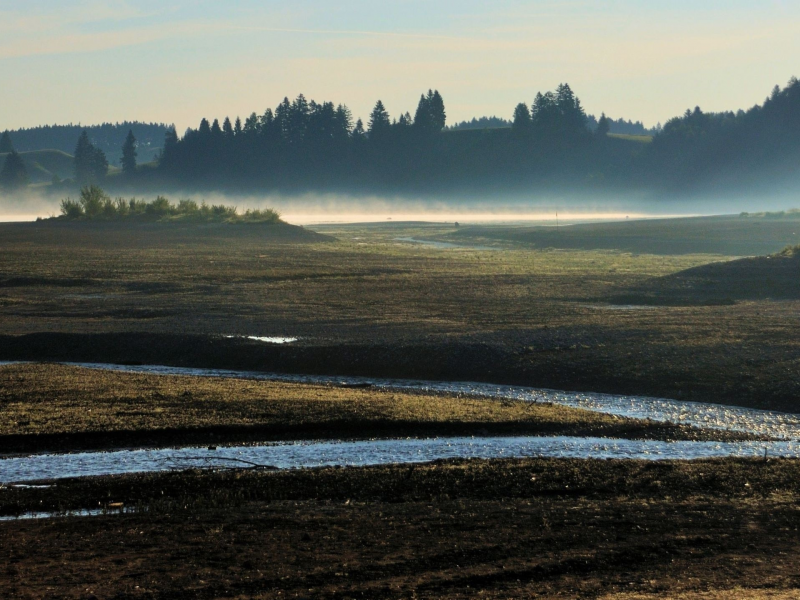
(56, 399)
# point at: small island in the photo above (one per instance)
(94, 204)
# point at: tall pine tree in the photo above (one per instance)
(379, 123)
(129, 155)
(91, 165)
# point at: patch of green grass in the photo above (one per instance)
(42, 165)
(642, 139)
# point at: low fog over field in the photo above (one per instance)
(331, 208)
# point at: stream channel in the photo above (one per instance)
(305, 454)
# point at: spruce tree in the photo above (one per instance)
(602, 126)
(91, 164)
(379, 123)
(14, 175)
(227, 128)
(129, 155)
(5, 143)
(522, 118)
(167, 156)
(423, 118)
(438, 115)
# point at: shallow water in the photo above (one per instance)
(267, 340)
(316, 454)
(623, 307)
(442, 245)
(715, 416)
(95, 512)
(295, 455)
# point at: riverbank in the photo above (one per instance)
(57, 408)
(513, 528)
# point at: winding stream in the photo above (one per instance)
(306, 454)
(296, 455)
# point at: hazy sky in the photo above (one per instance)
(177, 60)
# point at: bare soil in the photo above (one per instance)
(500, 529)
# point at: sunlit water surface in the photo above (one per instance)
(375, 452)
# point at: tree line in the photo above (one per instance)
(303, 145)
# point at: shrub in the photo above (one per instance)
(266, 215)
(160, 207)
(109, 210)
(122, 207)
(94, 203)
(188, 207)
(93, 199)
(137, 207)
(71, 209)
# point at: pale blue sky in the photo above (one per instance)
(177, 61)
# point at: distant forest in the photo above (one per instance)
(108, 137)
(616, 126)
(549, 145)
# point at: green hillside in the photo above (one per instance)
(42, 165)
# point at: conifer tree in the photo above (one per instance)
(91, 164)
(237, 128)
(5, 143)
(522, 117)
(129, 155)
(14, 175)
(205, 128)
(436, 105)
(423, 118)
(602, 126)
(227, 128)
(379, 123)
(167, 155)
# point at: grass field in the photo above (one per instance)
(364, 303)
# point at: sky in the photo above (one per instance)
(177, 61)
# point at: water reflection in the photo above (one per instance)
(295, 455)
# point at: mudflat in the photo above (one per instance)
(500, 529)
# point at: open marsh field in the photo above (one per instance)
(363, 303)
(370, 300)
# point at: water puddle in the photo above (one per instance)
(441, 245)
(267, 340)
(28, 516)
(298, 455)
(715, 416)
(622, 307)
